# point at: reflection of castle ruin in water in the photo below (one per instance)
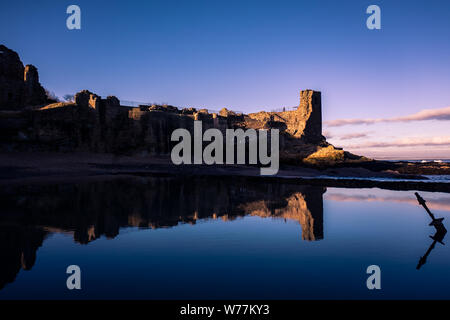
(90, 209)
(306, 207)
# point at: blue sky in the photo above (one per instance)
(248, 56)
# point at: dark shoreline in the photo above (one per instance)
(330, 182)
(41, 168)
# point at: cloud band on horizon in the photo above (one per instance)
(426, 114)
(410, 142)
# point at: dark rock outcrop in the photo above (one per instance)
(11, 78)
(19, 85)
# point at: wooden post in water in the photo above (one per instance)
(423, 203)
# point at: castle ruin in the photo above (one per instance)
(93, 124)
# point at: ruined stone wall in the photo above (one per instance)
(152, 130)
(102, 125)
(310, 116)
(304, 123)
(34, 93)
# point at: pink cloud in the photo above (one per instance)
(353, 136)
(407, 142)
(327, 134)
(437, 204)
(427, 114)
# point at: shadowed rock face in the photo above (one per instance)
(33, 91)
(310, 116)
(11, 78)
(19, 85)
(91, 209)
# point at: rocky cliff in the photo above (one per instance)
(19, 85)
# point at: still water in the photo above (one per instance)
(179, 238)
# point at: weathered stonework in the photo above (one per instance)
(310, 116)
(304, 123)
(33, 91)
(83, 98)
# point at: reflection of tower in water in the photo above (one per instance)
(305, 206)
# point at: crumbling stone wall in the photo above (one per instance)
(304, 123)
(96, 124)
(34, 93)
(310, 116)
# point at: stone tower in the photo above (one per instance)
(34, 93)
(309, 115)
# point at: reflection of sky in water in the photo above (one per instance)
(435, 201)
(255, 257)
